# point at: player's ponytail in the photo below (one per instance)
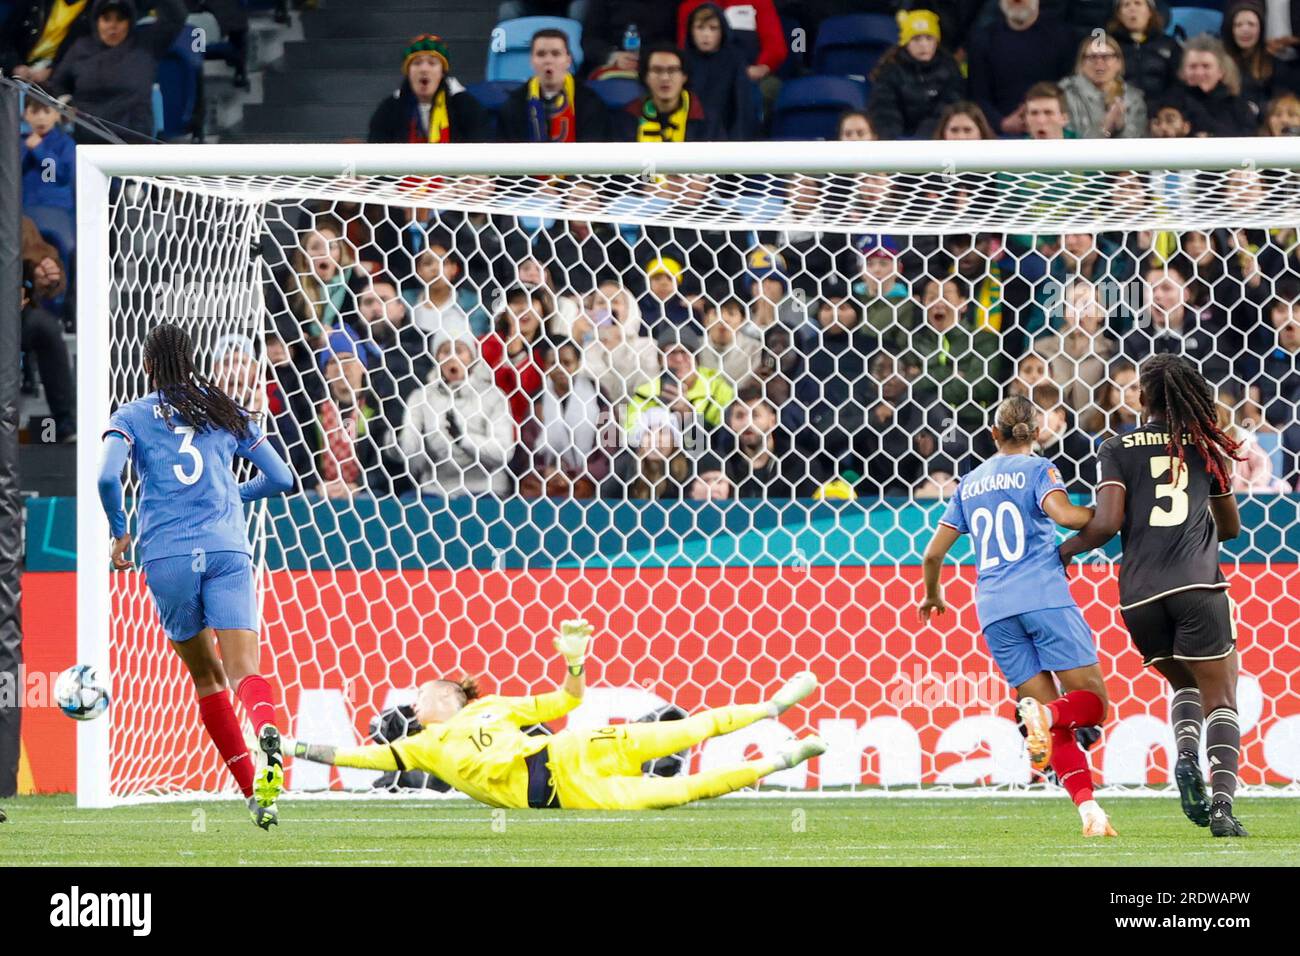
(197, 401)
(1017, 420)
(469, 687)
(1175, 390)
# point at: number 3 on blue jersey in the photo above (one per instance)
(990, 526)
(187, 448)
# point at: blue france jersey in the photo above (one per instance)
(189, 498)
(1000, 504)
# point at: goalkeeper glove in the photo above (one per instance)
(572, 641)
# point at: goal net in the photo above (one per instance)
(711, 399)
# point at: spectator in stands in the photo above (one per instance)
(977, 260)
(695, 397)
(1252, 472)
(431, 105)
(347, 456)
(618, 355)
(1079, 346)
(1174, 324)
(1168, 121)
(893, 419)
(1098, 260)
(669, 112)
(854, 126)
(1209, 91)
(1281, 116)
(963, 120)
(516, 350)
(1243, 39)
(779, 367)
(553, 106)
(406, 351)
(579, 251)
(110, 74)
(615, 32)
(1007, 59)
(770, 300)
(42, 335)
(711, 483)
(35, 36)
(1279, 386)
(1150, 55)
(655, 465)
(732, 344)
(913, 82)
(832, 395)
(962, 364)
(1045, 113)
(560, 445)
(459, 432)
(889, 310)
(664, 312)
(49, 167)
(435, 309)
(1062, 443)
(718, 69)
(1120, 404)
(232, 20)
(1098, 100)
(315, 289)
(760, 465)
(757, 30)
(1031, 371)
(1282, 27)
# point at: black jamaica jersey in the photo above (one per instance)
(1169, 538)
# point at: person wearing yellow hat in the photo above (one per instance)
(431, 105)
(915, 81)
(664, 310)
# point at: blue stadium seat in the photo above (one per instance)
(156, 100)
(1187, 22)
(617, 91)
(508, 56)
(492, 95)
(851, 45)
(178, 81)
(809, 108)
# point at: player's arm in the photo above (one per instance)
(1105, 523)
(1227, 519)
(1058, 506)
(571, 642)
(370, 757)
(273, 474)
(113, 458)
(945, 536)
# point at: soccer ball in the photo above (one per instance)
(80, 693)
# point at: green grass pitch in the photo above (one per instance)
(737, 831)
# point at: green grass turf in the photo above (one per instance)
(789, 831)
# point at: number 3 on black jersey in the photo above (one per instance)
(1175, 490)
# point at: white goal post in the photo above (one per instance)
(390, 565)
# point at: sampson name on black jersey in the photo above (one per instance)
(1169, 538)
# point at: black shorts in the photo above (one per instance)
(1195, 625)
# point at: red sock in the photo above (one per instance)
(223, 727)
(255, 694)
(1071, 765)
(1078, 708)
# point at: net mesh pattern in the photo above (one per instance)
(717, 415)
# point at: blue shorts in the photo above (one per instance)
(1054, 639)
(190, 596)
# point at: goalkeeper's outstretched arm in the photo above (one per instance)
(572, 643)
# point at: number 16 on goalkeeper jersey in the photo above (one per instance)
(182, 438)
(1035, 632)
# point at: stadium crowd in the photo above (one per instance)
(426, 351)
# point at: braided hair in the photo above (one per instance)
(1175, 390)
(197, 401)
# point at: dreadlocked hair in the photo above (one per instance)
(195, 399)
(1177, 391)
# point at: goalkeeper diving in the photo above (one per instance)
(476, 744)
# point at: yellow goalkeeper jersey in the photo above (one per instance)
(480, 751)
